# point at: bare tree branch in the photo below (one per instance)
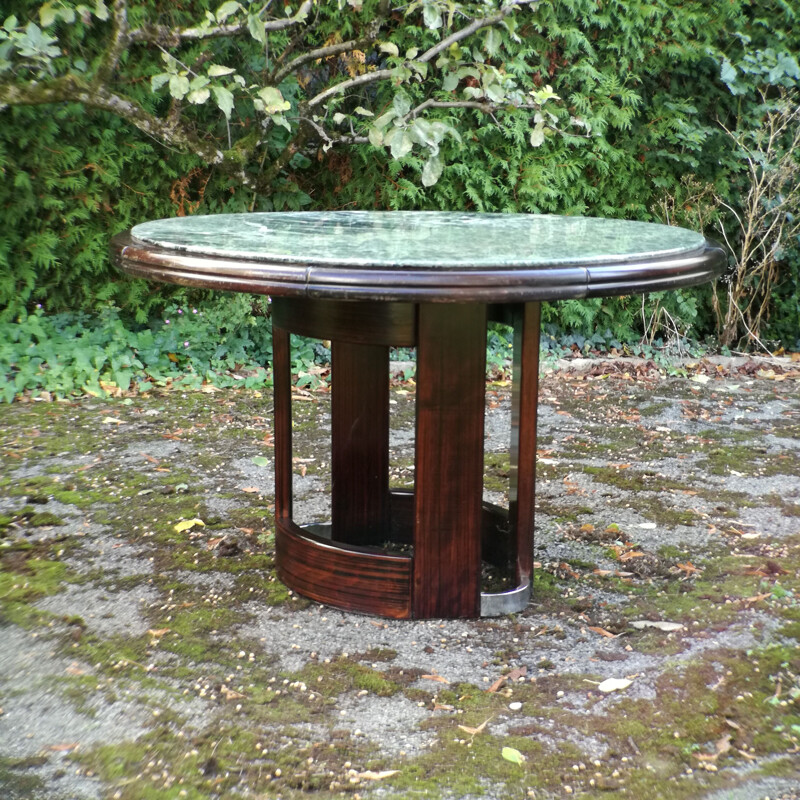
(313, 55)
(169, 36)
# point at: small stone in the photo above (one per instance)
(516, 706)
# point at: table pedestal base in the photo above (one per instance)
(403, 554)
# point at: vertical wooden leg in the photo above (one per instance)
(451, 374)
(282, 389)
(360, 443)
(524, 404)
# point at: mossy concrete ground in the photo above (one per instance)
(148, 650)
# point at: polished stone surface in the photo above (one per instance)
(420, 239)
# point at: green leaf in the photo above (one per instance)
(11, 23)
(47, 16)
(101, 10)
(224, 99)
(178, 86)
(431, 16)
(157, 81)
(364, 112)
(492, 40)
(198, 96)
(728, 73)
(450, 82)
(273, 100)
(513, 755)
(256, 28)
(400, 143)
(261, 461)
(375, 136)
(432, 171)
(401, 104)
(217, 70)
(537, 136)
(390, 48)
(226, 9)
(385, 119)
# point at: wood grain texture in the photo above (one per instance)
(360, 443)
(348, 321)
(524, 405)
(347, 577)
(451, 363)
(282, 390)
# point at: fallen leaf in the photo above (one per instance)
(614, 684)
(151, 459)
(700, 378)
(602, 632)
(437, 678)
(260, 461)
(188, 524)
(251, 489)
(498, 684)
(641, 624)
(229, 694)
(475, 731)
(688, 568)
(757, 598)
(369, 775)
(721, 747)
(512, 755)
(158, 633)
(631, 554)
(113, 420)
(61, 748)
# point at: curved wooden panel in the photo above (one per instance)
(372, 323)
(501, 284)
(351, 578)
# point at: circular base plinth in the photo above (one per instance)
(380, 579)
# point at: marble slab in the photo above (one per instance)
(420, 239)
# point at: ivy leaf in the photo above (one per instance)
(513, 755)
(217, 70)
(432, 171)
(226, 9)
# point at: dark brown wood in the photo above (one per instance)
(282, 390)
(348, 577)
(360, 442)
(451, 364)
(348, 321)
(524, 404)
(374, 282)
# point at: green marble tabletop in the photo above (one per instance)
(420, 239)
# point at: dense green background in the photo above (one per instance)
(647, 76)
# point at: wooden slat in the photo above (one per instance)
(282, 388)
(524, 404)
(451, 363)
(360, 443)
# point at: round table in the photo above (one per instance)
(431, 280)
